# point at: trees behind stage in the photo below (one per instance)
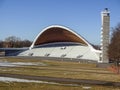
(14, 42)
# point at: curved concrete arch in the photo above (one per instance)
(57, 33)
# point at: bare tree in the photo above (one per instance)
(1, 44)
(26, 43)
(16, 42)
(12, 41)
(114, 47)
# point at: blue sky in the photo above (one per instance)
(26, 18)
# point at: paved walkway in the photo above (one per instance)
(62, 80)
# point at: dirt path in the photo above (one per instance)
(62, 80)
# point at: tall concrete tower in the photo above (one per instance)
(105, 35)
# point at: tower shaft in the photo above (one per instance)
(105, 35)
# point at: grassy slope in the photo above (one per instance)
(57, 69)
(39, 86)
(62, 69)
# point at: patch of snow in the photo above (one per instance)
(23, 63)
(9, 79)
(13, 64)
(86, 87)
(6, 64)
(9, 70)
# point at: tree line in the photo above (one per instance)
(14, 42)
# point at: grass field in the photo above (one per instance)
(52, 68)
(37, 86)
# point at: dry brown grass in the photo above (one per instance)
(57, 69)
(39, 86)
(61, 69)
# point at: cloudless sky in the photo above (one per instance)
(26, 18)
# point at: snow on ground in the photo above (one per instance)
(6, 64)
(13, 64)
(9, 79)
(25, 63)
